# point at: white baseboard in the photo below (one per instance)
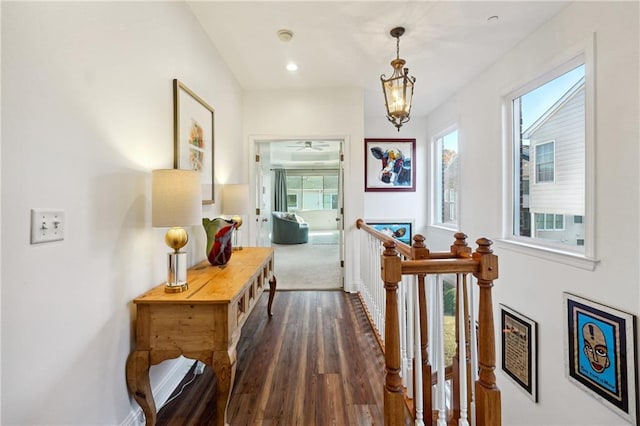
(353, 287)
(161, 392)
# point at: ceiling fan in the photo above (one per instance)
(309, 146)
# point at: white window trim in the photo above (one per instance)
(583, 52)
(437, 202)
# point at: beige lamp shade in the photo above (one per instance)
(235, 199)
(176, 198)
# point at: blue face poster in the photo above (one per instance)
(598, 347)
(601, 354)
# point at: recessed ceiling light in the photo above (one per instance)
(291, 66)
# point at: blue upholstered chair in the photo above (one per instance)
(288, 228)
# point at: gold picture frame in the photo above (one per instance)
(194, 136)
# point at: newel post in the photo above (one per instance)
(488, 405)
(393, 391)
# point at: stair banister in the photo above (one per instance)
(475, 398)
(393, 390)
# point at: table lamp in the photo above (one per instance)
(235, 202)
(176, 201)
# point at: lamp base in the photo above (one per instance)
(236, 239)
(176, 272)
(176, 288)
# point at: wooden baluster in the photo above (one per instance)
(420, 251)
(458, 248)
(488, 405)
(393, 392)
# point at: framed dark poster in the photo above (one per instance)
(519, 350)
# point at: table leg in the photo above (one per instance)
(137, 373)
(272, 293)
(224, 367)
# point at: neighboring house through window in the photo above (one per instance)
(446, 179)
(549, 151)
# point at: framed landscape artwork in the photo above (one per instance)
(389, 165)
(520, 350)
(601, 355)
(193, 136)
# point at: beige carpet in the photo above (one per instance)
(311, 266)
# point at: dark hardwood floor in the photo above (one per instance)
(315, 362)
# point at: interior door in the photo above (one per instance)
(340, 215)
(262, 191)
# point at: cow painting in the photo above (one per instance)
(400, 231)
(396, 168)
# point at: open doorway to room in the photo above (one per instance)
(299, 191)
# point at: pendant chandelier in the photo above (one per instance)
(398, 89)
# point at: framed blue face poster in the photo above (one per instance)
(601, 354)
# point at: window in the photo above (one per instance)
(312, 190)
(292, 201)
(446, 179)
(548, 145)
(549, 222)
(545, 162)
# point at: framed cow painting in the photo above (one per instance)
(389, 165)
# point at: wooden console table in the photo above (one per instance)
(201, 323)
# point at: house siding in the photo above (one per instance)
(567, 128)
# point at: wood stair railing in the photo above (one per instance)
(398, 259)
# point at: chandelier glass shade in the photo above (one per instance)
(398, 89)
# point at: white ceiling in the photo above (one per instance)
(347, 43)
(303, 153)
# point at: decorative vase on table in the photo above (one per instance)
(219, 239)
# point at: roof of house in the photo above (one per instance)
(555, 107)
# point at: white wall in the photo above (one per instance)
(316, 114)
(531, 285)
(87, 114)
(394, 205)
(320, 220)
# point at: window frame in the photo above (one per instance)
(439, 196)
(300, 193)
(581, 53)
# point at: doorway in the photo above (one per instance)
(313, 195)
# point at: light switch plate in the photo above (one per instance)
(47, 225)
